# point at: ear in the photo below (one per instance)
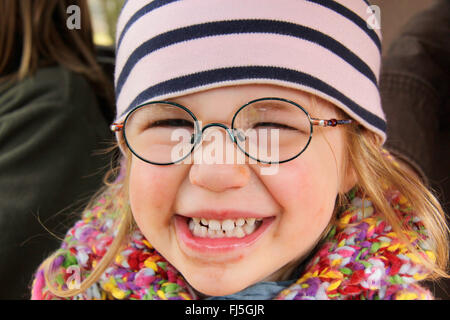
(349, 179)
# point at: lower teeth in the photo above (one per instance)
(238, 232)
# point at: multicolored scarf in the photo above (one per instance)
(361, 258)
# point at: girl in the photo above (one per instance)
(317, 209)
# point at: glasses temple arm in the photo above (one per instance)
(330, 122)
(115, 127)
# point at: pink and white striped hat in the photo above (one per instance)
(169, 48)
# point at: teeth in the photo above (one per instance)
(202, 227)
(214, 225)
(212, 233)
(200, 230)
(249, 228)
(229, 233)
(191, 224)
(228, 225)
(250, 221)
(238, 232)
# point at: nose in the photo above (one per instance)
(219, 177)
(221, 174)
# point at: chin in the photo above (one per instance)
(213, 287)
(216, 291)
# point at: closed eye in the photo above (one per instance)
(273, 124)
(171, 123)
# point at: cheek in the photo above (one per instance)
(152, 192)
(304, 183)
(306, 190)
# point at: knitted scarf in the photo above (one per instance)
(361, 258)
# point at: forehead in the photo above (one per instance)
(223, 102)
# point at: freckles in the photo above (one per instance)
(151, 187)
(290, 188)
(305, 194)
(323, 215)
(293, 183)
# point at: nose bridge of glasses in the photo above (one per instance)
(221, 125)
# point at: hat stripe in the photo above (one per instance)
(249, 49)
(139, 14)
(208, 77)
(173, 16)
(350, 15)
(242, 26)
(330, 4)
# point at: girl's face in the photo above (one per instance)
(295, 204)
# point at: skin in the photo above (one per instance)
(301, 195)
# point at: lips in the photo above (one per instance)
(225, 214)
(207, 245)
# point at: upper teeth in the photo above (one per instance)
(214, 228)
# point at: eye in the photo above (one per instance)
(171, 123)
(273, 125)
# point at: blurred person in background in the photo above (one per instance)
(55, 107)
(415, 92)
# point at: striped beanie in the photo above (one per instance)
(169, 48)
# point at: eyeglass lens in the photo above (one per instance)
(265, 130)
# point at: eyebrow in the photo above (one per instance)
(273, 104)
(279, 105)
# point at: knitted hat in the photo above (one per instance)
(169, 48)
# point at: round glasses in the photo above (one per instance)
(267, 130)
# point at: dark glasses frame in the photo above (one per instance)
(233, 133)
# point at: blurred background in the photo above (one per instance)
(104, 16)
(395, 13)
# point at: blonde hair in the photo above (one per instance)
(364, 152)
(373, 169)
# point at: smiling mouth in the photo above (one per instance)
(211, 236)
